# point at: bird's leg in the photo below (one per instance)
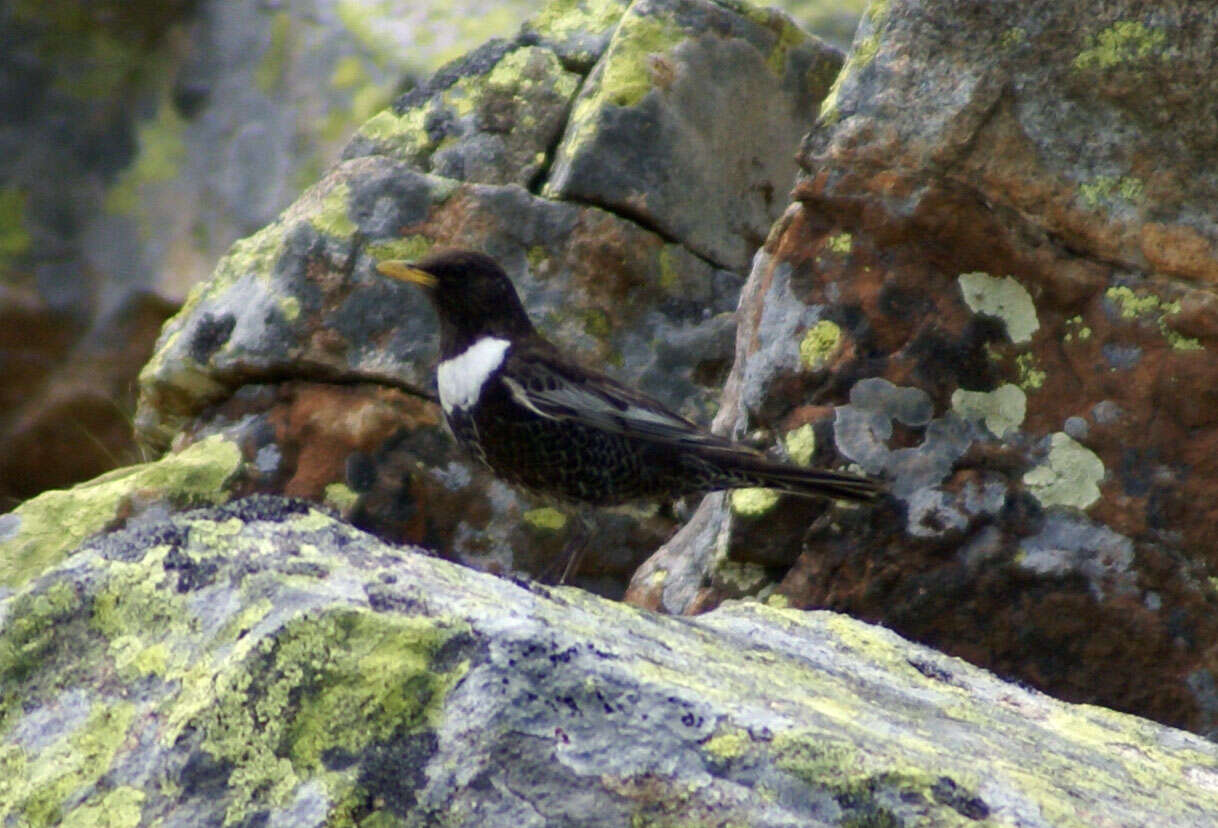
(573, 550)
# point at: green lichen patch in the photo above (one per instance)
(1029, 373)
(801, 444)
(818, 345)
(790, 37)
(1111, 189)
(840, 243)
(1076, 330)
(37, 793)
(402, 136)
(561, 19)
(546, 517)
(334, 218)
(55, 522)
(409, 248)
(1002, 410)
(119, 808)
(1124, 42)
(627, 75)
(1004, 298)
(1147, 306)
(862, 53)
(753, 502)
(32, 646)
(728, 744)
(1069, 476)
(334, 682)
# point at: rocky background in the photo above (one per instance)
(988, 286)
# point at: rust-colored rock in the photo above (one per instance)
(1015, 252)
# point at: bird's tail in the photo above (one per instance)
(757, 471)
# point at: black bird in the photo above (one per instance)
(539, 420)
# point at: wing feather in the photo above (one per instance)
(550, 389)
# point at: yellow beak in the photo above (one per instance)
(406, 272)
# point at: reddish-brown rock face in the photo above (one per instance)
(994, 288)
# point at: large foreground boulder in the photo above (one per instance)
(261, 663)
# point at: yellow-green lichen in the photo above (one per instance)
(546, 517)
(777, 600)
(1108, 188)
(1029, 374)
(404, 134)
(1004, 298)
(1128, 41)
(48, 779)
(563, 18)
(790, 37)
(728, 744)
(818, 345)
(740, 577)
(1070, 475)
(333, 217)
(333, 682)
(801, 444)
(409, 248)
(29, 638)
(15, 238)
(136, 613)
(840, 243)
(118, 808)
(626, 78)
(290, 307)
(861, 54)
(55, 522)
(1002, 409)
(753, 502)
(1076, 330)
(1154, 309)
(340, 496)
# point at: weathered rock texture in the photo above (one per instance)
(996, 288)
(140, 139)
(262, 663)
(564, 153)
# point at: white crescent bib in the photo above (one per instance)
(461, 378)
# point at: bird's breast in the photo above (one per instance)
(461, 378)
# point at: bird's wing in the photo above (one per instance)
(551, 388)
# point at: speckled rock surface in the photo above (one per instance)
(465, 160)
(995, 288)
(261, 663)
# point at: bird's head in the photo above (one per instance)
(472, 296)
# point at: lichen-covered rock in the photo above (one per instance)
(460, 162)
(140, 140)
(262, 663)
(684, 122)
(492, 117)
(995, 288)
(39, 533)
